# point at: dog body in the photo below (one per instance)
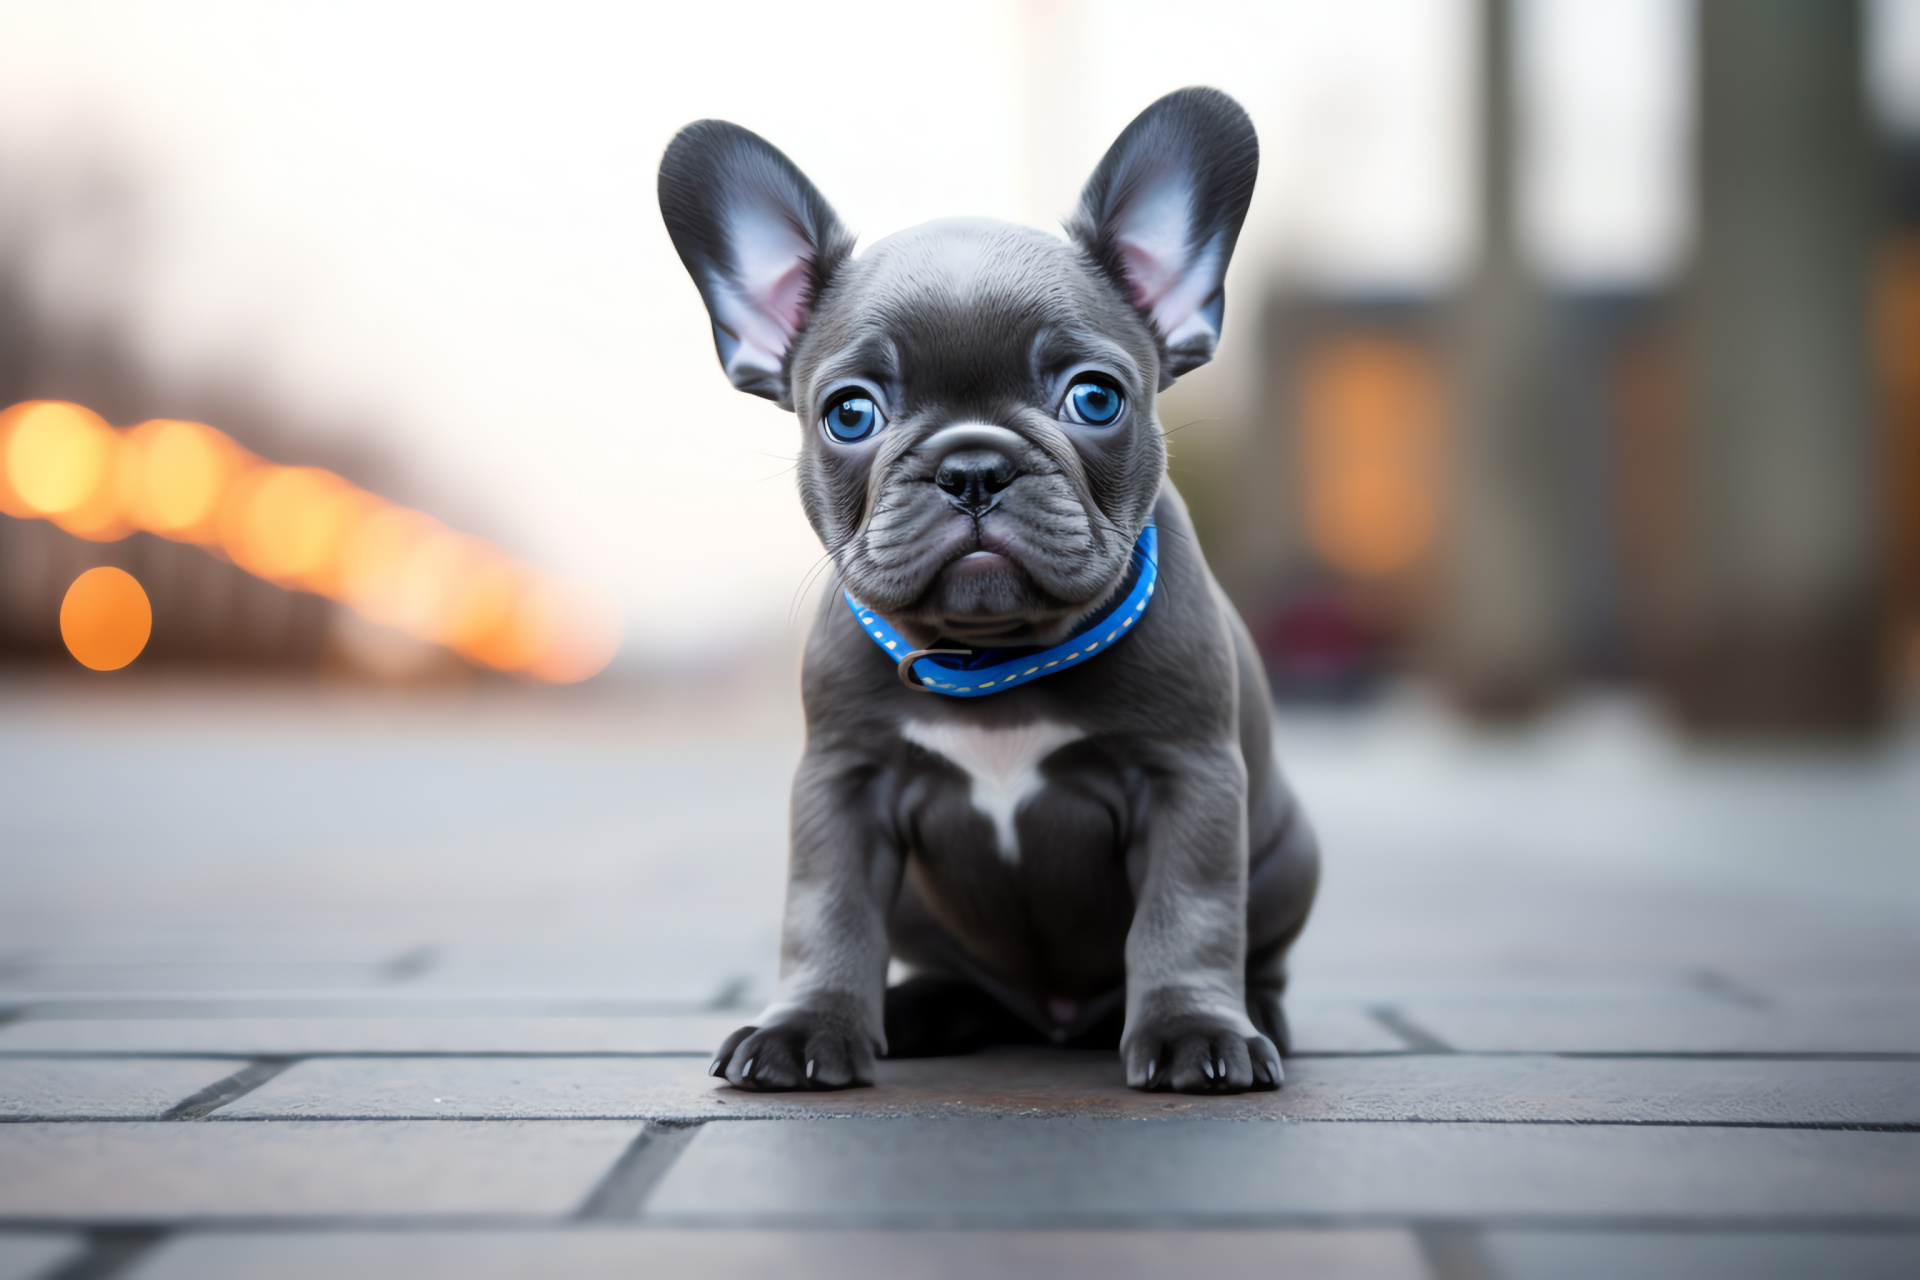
(983, 461)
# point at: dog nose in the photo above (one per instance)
(972, 478)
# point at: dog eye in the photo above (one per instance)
(852, 417)
(1094, 403)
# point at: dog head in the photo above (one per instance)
(980, 440)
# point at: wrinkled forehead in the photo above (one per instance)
(968, 308)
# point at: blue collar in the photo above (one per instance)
(962, 673)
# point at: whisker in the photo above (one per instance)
(1167, 431)
(812, 575)
(800, 591)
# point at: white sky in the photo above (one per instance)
(439, 220)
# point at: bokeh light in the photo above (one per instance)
(59, 464)
(1369, 420)
(170, 477)
(303, 528)
(289, 524)
(105, 619)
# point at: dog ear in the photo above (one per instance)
(1162, 212)
(759, 241)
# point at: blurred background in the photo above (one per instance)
(400, 613)
(1570, 342)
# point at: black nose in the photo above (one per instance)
(972, 478)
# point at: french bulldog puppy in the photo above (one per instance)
(1039, 766)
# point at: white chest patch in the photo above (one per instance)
(1004, 765)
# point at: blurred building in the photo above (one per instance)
(206, 609)
(1710, 486)
(1702, 479)
(262, 544)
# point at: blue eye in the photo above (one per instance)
(852, 417)
(1094, 403)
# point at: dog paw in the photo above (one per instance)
(797, 1052)
(1270, 1018)
(1200, 1055)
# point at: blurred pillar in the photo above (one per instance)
(1499, 639)
(1782, 608)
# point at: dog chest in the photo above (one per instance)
(1002, 766)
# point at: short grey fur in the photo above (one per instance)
(1114, 840)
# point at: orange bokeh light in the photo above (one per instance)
(483, 608)
(1369, 412)
(582, 635)
(59, 464)
(12, 503)
(289, 524)
(171, 476)
(373, 561)
(105, 619)
(300, 527)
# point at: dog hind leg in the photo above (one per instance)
(933, 1016)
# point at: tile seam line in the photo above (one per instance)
(109, 1253)
(1410, 1032)
(981, 1220)
(1585, 1055)
(685, 1121)
(199, 1105)
(348, 1054)
(622, 1193)
(381, 997)
(1752, 1223)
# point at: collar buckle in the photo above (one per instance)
(905, 669)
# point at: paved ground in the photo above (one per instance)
(310, 984)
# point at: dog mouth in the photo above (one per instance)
(976, 564)
(1016, 566)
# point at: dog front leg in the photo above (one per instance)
(1187, 1025)
(825, 1024)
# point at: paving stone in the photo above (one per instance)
(416, 1025)
(803, 1255)
(1459, 1087)
(480, 1088)
(1011, 1171)
(698, 1034)
(1338, 1027)
(51, 980)
(62, 1088)
(695, 968)
(1886, 1025)
(363, 1004)
(28, 1255)
(1700, 1255)
(1051, 1082)
(153, 1171)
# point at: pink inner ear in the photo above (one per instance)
(785, 294)
(762, 306)
(771, 259)
(1152, 238)
(1149, 272)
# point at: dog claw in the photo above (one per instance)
(1151, 1068)
(809, 1068)
(714, 1068)
(746, 1072)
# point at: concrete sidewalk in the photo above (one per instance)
(313, 984)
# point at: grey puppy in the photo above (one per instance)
(982, 459)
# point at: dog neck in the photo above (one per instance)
(984, 669)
